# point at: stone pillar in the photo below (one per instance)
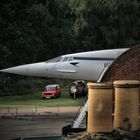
(99, 107)
(126, 115)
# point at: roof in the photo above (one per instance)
(125, 67)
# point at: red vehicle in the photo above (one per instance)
(51, 91)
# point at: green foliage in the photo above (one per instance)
(37, 30)
(34, 99)
(108, 23)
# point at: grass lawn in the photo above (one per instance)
(35, 99)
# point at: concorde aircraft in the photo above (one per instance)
(85, 65)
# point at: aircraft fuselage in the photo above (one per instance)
(85, 65)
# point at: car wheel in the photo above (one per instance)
(55, 96)
(59, 94)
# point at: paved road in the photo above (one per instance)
(49, 124)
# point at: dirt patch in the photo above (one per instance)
(114, 135)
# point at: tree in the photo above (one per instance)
(107, 23)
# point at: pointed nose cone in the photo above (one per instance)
(34, 69)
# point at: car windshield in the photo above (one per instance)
(50, 87)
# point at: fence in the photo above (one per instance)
(36, 111)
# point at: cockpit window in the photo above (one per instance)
(70, 59)
(65, 58)
(57, 59)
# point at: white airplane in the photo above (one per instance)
(86, 65)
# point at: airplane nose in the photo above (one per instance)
(17, 70)
(29, 69)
